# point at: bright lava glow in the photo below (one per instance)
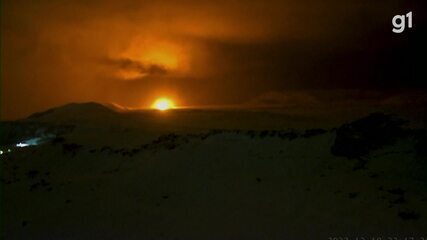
(163, 104)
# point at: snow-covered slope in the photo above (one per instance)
(170, 181)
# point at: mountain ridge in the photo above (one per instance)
(74, 111)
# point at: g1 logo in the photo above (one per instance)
(399, 22)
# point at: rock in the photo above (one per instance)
(359, 138)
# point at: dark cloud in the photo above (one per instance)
(136, 66)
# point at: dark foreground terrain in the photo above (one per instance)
(92, 173)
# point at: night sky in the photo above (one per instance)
(208, 53)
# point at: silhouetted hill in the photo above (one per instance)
(74, 112)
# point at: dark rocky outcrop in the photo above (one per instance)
(313, 132)
(359, 138)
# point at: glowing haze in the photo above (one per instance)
(201, 52)
(163, 104)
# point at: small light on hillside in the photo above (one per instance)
(22, 145)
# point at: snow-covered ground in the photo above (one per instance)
(197, 174)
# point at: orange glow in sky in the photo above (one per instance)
(161, 56)
(149, 52)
